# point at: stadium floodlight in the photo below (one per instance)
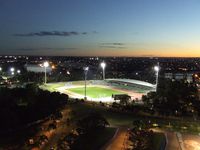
(85, 72)
(157, 68)
(103, 65)
(46, 64)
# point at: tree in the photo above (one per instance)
(52, 126)
(138, 124)
(92, 122)
(173, 97)
(124, 99)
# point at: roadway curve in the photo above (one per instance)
(118, 140)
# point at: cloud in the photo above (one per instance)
(112, 45)
(115, 47)
(148, 55)
(51, 33)
(47, 49)
(95, 32)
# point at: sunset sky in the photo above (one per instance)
(100, 27)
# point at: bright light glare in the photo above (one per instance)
(12, 69)
(156, 68)
(53, 67)
(86, 68)
(18, 71)
(103, 65)
(46, 64)
(0, 69)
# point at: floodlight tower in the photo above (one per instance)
(46, 64)
(85, 72)
(103, 65)
(157, 68)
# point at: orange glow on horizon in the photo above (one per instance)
(130, 52)
(146, 53)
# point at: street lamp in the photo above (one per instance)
(157, 68)
(85, 72)
(103, 65)
(18, 71)
(12, 70)
(46, 64)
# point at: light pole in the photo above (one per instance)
(103, 65)
(46, 64)
(157, 68)
(85, 72)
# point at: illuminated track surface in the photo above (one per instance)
(105, 96)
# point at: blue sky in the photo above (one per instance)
(100, 27)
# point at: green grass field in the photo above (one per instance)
(95, 92)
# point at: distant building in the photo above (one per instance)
(37, 68)
(180, 76)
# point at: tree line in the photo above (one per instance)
(22, 106)
(174, 98)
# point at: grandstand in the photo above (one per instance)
(131, 84)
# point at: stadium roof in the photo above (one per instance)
(143, 83)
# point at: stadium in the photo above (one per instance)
(102, 90)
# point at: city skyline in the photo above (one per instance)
(100, 28)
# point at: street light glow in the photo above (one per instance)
(12, 69)
(0, 69)
(86, 68)
(18, 71)
(53, 67)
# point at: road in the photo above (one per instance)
(191, 142)
(172, 141)
(118, 140)
(120, 137)
(61, 130)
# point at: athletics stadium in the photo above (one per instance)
(102, 90)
